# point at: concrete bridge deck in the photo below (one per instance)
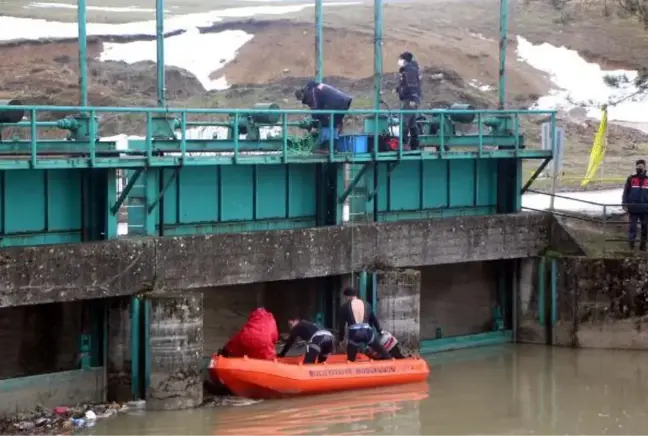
(55, 273)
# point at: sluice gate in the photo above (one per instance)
(264, 179)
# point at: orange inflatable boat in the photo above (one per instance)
(285, 377)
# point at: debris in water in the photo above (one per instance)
(227, 401)
(60, 419)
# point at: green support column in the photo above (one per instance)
(111, 196)
(320, 316)
(362, 285)
(318, 40)
(340, 186)
(159, 39)
(83, 53)
(541, 290)
(498, 315)
(554, 292)
(96, 194)
(151, 187)
(136, 380)
(378, 61)
(502, 53)
(374, 290)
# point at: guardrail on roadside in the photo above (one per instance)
(608, 220)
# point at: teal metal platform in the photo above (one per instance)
(65, 190)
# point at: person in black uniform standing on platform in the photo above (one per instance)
(410, 94)
(320, 341)
(359, 316)
(319, 96)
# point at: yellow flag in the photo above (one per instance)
(598, 149)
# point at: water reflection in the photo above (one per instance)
(364, 412)
(498, 390)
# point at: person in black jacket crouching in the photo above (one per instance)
(319, 96)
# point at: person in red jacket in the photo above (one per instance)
(257, 339)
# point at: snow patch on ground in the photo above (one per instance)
(581, 83)
(481, 86)
(611, 198)
(14, 28)
(223, 47)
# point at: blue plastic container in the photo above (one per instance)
(352, 144)
(325, 135)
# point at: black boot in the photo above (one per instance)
(632, 245)
(642, 246)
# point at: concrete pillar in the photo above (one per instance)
(529, 328)
(399, 306)
(119, 350)
(176, 350)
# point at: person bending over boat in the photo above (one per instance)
(320, 341)
(257, 338)
(359, 316)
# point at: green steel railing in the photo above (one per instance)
(604, 232)
(498, 129)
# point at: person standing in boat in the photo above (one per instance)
(359, 316)
(320, 341)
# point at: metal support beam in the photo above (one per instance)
(378, 62)
(135, 348)
(554, 293)
(159, 38)
(541, 290)
(318, 40)
(353, 184)
(362, 285)
(127, 189)
(166, 187)
(390, 168)
(515, 298)
(503, 45)
(83, 53)
(535, 175)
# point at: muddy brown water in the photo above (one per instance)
(521, 389)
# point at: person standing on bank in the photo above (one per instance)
(359, 316)
(635, 202)
(409, 93)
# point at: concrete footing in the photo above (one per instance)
(176, 348)
(399, 306)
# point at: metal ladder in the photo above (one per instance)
(136, 206)
(357, 203)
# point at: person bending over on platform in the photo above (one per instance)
(359, 316)
(319, 96)
(320, 341)
(635, 202)
(409, 93)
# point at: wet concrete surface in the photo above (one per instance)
(522, 389)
